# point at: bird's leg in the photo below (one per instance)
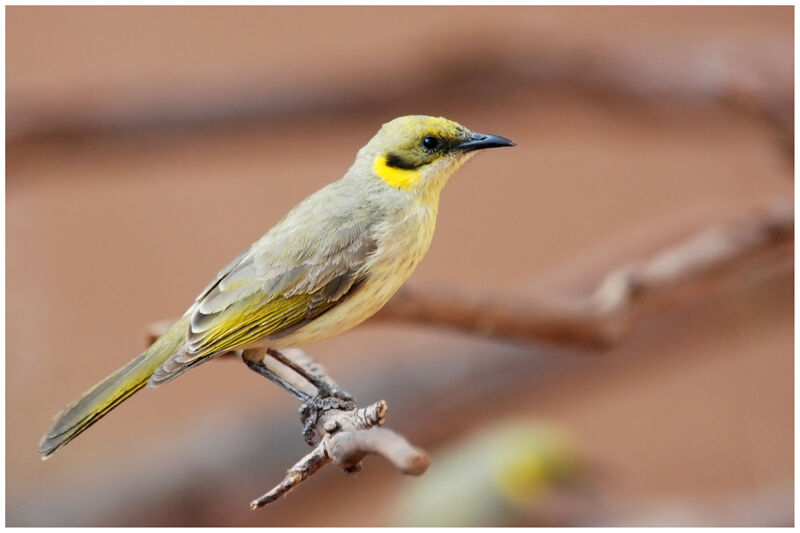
(254, 359)
(329, 394)
(312, 372)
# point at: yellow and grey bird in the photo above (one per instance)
(328, 265)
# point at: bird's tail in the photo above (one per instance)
(103, 397)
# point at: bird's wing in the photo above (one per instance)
(279, 284)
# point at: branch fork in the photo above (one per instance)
(346, 438)
(345, 435)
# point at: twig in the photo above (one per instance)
(346, 436)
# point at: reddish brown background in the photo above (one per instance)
(147, 146)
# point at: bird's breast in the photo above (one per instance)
(402, 242)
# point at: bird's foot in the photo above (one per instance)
(327, 399)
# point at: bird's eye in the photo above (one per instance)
(430, 143)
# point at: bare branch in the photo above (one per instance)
(349, 448)
(348, 437)
(304, 468)
(604, 316)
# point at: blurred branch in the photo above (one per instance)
(605, 316)
(714, 70)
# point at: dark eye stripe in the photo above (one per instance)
(395, 161)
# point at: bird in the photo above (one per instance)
(329, 264)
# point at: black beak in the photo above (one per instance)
(479, 141)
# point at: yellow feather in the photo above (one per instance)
(396, 177)
(109, 393)
(254, 321)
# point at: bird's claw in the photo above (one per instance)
(334, 392)
(329, 398)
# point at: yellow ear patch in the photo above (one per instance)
(396, 177)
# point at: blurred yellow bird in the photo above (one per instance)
(328, 265)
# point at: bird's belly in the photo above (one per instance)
(389, 269)
(368, 299)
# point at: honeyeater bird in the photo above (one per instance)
(329, 264)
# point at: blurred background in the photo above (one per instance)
(147, 146)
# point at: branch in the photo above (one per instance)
(346, 436)
(349, 436)
(604, 316)
(711, 70)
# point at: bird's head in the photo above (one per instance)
(418, 153)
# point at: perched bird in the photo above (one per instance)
(329, 264)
